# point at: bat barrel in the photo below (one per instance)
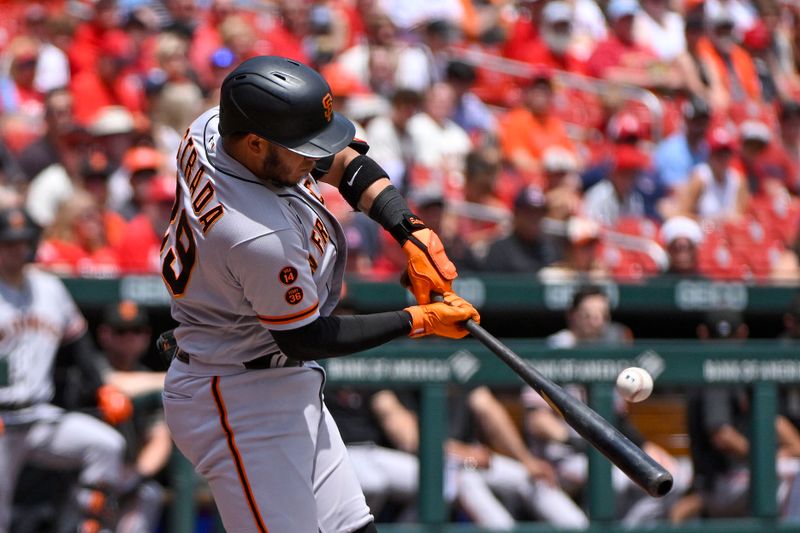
(636, 464)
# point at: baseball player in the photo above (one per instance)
(254, 263)
(37, 316)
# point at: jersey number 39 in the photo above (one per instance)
(184, 250)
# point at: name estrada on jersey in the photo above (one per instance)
(242, 256)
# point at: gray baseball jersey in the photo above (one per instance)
(34, 320)
(242, 257)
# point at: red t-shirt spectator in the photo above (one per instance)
(615, 53)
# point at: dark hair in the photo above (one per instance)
(406, 96)
(460, 71)
(586, 292)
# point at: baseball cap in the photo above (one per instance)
(622, 8)
(540, 73)
(628, 157)
(17, 225)
(112, 120)
(789, 108)
(530, 197)
(723, 324)
(681, 227)
(626, 125)
(718, 15)
(142, 158)
(125, 314)
(721, 138)
(755, 130)
(557, 11)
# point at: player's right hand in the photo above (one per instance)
(445, 318)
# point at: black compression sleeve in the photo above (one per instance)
(332, 336)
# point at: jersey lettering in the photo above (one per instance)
(307, 184)
(203, 197)
(312, 263)
(288, 275)
(319, 235)
(185, 250)
(208, 218)
(294, 296)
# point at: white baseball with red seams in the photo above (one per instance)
(635, 384)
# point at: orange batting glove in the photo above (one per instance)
(429, 269)
(114, 405)
(445, 319)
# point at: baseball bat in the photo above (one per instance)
(597, 431)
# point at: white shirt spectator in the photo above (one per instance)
(408, 13)
(52, 69)
(666, 38)
(717, 200)
(439, 146)
(413, 69)
(387, 148)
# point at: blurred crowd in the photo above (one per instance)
(567, 139)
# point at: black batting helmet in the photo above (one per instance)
(17, 225)
(284, 102)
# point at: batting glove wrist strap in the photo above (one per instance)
(359, 174)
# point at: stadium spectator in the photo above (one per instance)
(681, 237)
(75, 243)
(553, 48)
(660, 28)
(137, 251)
(743, 13)
(731, 73)
(181, 17)
(529, 129)
(124, 336)
(482, 184)
(107, 84)
(676, 156)
(526, 249)
(582, 263)
(757, 42)
(767, 167)
(616, 195)
(789, 120)
(140, 164)
(432, 208)
(95, 172)
(620, 58)
(18, 94)
(791, 321)
(207, 39)
(390, 141)
(439, 144)
(470, 112)
(384, 62)
(59, 137)
(562, 184)
(717, 189)
(52, 66)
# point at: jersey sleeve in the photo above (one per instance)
(276, 279)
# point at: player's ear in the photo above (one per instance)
(256, 144)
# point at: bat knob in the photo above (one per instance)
(661, 485)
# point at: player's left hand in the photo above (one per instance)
(541, 469)
(429, 269)
(114, 406)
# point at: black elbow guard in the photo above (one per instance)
(362, 172)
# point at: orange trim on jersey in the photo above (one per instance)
(237, 458)
(286, 319)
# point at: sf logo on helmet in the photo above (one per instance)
(327, 103)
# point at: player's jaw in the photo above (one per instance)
(283, 167)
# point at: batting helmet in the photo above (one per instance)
(17, 225)
(284, 102)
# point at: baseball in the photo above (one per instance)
(634, 384)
